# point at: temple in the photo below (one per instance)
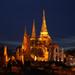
(40, 48)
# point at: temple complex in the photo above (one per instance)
(40, 48)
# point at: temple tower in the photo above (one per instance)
(44, 36)
(25, 43)
(44, 26)
(33, 35)
(25, 47)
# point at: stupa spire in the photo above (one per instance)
(25, 42)
(33, 35)
(24, 38)
(44, 26)
(44, 32)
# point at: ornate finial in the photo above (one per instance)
(43, 13)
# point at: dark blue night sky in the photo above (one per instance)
(60, 16)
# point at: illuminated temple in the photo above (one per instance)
(40, 48)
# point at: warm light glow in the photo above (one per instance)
(33, 38)
(44, 33)
(35, 58)
(41, 58)
(6, 58)
(22, 59)
(22, 46)
(5, 50)
(13, 58)
(5, 54)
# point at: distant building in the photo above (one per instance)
(56, 53)
(70, 60)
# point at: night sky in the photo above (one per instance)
(60, 17)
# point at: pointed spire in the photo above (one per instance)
(25, 33)
(23, 37)
(44, 26)
(33, 30)
(25, 42)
